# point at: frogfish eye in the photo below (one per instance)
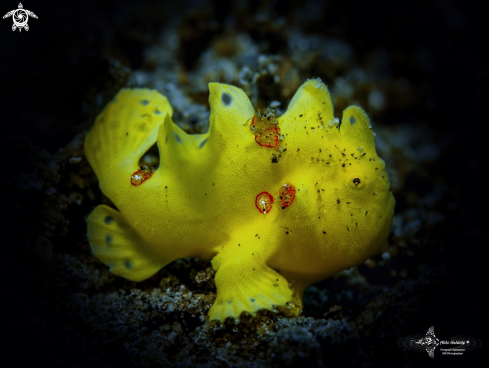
(356, 181)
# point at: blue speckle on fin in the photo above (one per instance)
(108, 220)
(202, 144)
(177, 138)
(144, 102)
(109, 239)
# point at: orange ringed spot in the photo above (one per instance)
(269, 138)
(265, 130)
(140, 176)
(264, 202)
(286, 194)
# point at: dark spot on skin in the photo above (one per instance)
(157, 112)
(144, 102)
(128, 264)
(353, 120)
(142, 127)
(177, 138)
(108, 220)
(338, 201)
(252, 300)
(324, 232)
(356, 181)
(226, 99)
(202, 144)
(109, 239)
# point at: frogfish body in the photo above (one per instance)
(277, 203)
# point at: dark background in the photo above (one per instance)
(47, 72)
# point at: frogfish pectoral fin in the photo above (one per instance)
(245, 283)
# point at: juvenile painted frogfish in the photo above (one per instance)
(276, 203)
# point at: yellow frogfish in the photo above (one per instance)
(277, 203)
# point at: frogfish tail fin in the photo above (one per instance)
(114, 242)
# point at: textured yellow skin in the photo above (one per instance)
(201, 200)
